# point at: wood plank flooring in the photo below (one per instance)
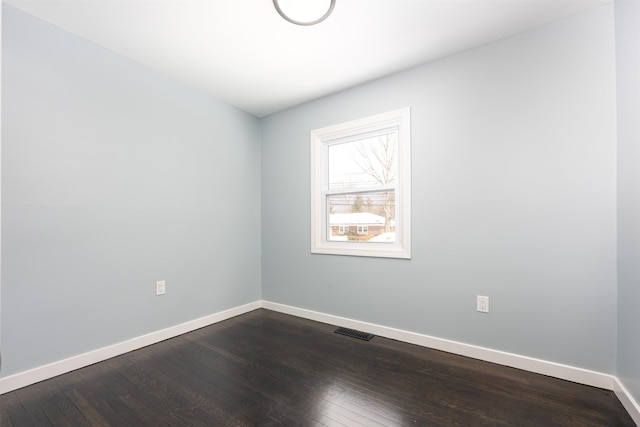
(266, 368)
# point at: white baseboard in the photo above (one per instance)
(629, 403)
(32, 376)
(552, 369)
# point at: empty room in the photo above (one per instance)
(363, 213)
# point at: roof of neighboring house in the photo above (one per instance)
(356, 218)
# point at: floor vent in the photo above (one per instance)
(354, 334)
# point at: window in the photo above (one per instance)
(363, 229)
(361, 188)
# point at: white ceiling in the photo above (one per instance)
(243, 52)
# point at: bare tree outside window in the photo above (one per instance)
(379, 160)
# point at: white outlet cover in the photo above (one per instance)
(160, 287)
(482, 304)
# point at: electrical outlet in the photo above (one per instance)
(482, 304)
(160, 287)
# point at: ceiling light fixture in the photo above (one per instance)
(304, 12)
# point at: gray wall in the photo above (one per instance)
(514, 197)
(114, 177)
(627, 14)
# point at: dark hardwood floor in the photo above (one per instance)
(265, 368)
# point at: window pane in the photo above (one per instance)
(362, 217)
(363, 163)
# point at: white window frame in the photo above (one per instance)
(321, 139)
(362, 229)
